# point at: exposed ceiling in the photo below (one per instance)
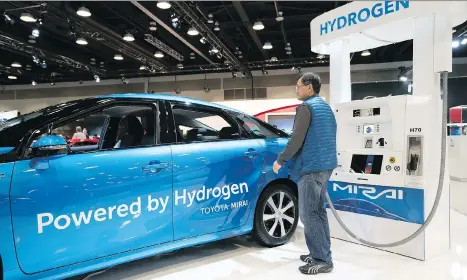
(56, 56)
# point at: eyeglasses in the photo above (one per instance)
(299, 86)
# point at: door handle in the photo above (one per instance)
(155, 166)
(251, 153)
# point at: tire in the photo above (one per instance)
(266, 217)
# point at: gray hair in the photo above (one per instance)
(312, 79)
(78, 129)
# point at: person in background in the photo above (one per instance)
(85, 131)
(312, 149)
(79, 134)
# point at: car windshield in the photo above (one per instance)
(14, 121)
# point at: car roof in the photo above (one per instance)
(167, 97)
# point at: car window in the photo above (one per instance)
(257, 128)
(199, 125)
(117, 127)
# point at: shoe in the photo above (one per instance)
(314, 268)
(306, 258)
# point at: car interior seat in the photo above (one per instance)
(228, 133)
(148, 138)
(134, 132)
(192, 135)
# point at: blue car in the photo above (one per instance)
(146, 174)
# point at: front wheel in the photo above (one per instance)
(276, 216)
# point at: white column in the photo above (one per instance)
(425, 80)
(339, 73)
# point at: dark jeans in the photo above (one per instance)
(312, 190)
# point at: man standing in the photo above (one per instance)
(312, 148)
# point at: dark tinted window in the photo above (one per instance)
(194, 124)
(118, 127)
(258, 128)
(14, 130)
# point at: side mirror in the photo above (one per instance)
(49, 145)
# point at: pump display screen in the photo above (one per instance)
(366, 112)
(367, 164)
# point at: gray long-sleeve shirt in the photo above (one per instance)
(300, 129)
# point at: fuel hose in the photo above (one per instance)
(444, 88)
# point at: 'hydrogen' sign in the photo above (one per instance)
(353, 18)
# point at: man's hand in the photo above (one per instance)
(276, 167)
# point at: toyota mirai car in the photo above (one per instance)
(163, 173)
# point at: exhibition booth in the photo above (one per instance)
(390, 190)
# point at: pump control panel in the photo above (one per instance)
(374, 142)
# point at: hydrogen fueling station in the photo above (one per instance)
(391, 188)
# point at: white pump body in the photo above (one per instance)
(389, 148)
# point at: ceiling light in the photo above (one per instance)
(288, 47)
(12, 77)
(258, 25)
(464, 41)
(97, 79)
(174, 18)
(214, 50)
(402, 78)
(33, 83)
(152, 26)
(366, 53)
(274, 58)
(279, 17)
(180, 66)
(216, 28)
(35, 32)
(81, 41)
(27, 17)
(159, 54)
(164, 5)
(142, 67)
(83, 12)
(203, 40)
(321, 56)
(118, 57)
(192, 31)
(16, 64)
(128, 37)
(455, 44)
(210, 19)
(267, 46)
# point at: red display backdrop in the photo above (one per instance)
(286, 109)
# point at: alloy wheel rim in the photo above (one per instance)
(279, 214)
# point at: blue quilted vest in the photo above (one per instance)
(318, 152)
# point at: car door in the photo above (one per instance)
(96, 200)
(216, 171)
(275, 141)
